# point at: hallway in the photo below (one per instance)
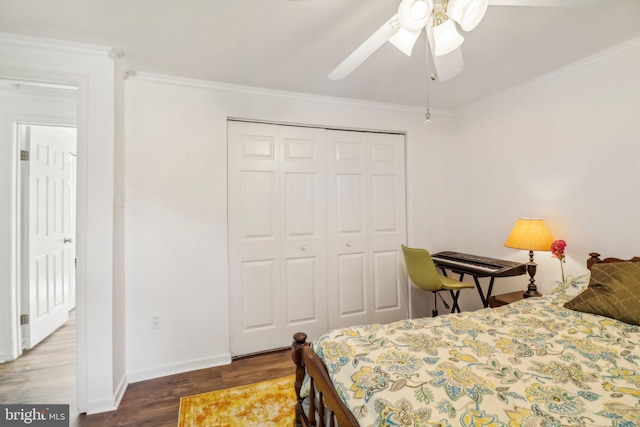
(45, 374)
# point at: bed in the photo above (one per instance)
(531, 363)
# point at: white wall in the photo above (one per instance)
(566, 148)
(27, 106)
(176, 211)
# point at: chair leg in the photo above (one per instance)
(454, 296)
(434, 312)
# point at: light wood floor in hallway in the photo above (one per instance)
(46, 374)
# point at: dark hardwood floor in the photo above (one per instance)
(46, 374)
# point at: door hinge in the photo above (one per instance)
(24, 319)
(24, 155)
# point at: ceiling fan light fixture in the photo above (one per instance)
(404, 40)
(446, 38)
(419, 10)
(467, 13)
(413, 14)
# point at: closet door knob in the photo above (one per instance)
(349, 243)
(68, 240)
(304, 247)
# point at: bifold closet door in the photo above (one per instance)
(366, 219)
(277, 234)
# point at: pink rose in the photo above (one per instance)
(557, 249)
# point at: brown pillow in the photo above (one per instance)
(614, 291)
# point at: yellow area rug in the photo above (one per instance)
(268, 403)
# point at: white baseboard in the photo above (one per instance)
(122, 387)
(162, 371)
(110, 404)
(104, 405)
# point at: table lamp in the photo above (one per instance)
(533, 235)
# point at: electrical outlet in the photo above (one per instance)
(156, 320)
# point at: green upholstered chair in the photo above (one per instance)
(423, 273)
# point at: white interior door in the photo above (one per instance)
(49, 282)
(277, 260)
(366, 226)
(304, 237)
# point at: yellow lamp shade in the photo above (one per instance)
(530, 234)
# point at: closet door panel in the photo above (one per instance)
(350, 300)
(366, 221)
(277, 235)
(304, 239)
(385, 274)
(259, 198)
(259, 301)
(352, 292)
(383, 213)
(350, 204)
(301, 283)
(387, 213)
(254, 237)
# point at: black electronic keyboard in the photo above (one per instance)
(477, 266)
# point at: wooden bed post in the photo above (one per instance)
(299, 341)
(327, 408)
(594, 258)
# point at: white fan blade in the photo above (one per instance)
(366, 49)
(448, 66)
(545, 3)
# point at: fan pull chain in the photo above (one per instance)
(427, 116)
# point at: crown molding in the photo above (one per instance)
(39, 93)
(253, 90)
(120, 59)
(52, 44)
(560, 72)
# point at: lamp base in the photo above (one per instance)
(531, 293)
(532, 289)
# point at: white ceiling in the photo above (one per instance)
(292, 45)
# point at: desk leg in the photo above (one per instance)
(454, 297)
(484, 300)
(486, 304)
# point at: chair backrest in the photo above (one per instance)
(421, 269)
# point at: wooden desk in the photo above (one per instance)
(504, 299)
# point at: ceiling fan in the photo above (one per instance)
(441, 20)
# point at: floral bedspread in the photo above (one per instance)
(531, 363)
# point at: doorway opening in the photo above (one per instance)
(38, 188)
